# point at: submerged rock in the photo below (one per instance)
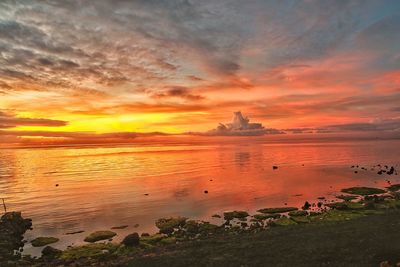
(131, 240)
(119, 227)
(284, 221)
(99, 235)
(43, 241)
(363, 191)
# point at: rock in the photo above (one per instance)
(43, 241)
(394, 187)
(205, 191)
(391, 171)
(261, 217)
(284, 221)
(50, 252)
(120, 227)
(131, 240)
(346, 197)
(168, 225)
(99, 235)
(298, 213)
(274, 167)
(230, 215)
(363, 191)
(277, 210)
(136, 225)
(75, 232)
(306, 205)
(12, 229)
(216, 216)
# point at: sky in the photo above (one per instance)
(110, 69)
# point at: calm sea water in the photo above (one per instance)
(102, 187)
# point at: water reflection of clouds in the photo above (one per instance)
(242, 158)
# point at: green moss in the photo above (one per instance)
(99, 235)
(298, 213)
(346, 205)
(153, 239)
(363, 191)
(168, 240)
(277, 210)
(346, 197)
(284, 221)
(394, 187)
(86, 251)
(301, 219)
(338, 215)
(43, 241)
(266, 216)
(230, 215)
(168, 225)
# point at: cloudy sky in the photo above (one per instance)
(113, 67)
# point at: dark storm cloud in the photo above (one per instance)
(178, 91)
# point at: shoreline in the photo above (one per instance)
(176, 233)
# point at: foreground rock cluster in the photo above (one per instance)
(12, 229)
(355, 202)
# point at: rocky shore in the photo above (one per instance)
(286, 228)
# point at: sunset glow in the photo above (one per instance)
(177, 67)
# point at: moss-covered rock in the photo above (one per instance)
(99, 235)
(298, 213)
(284, 221)
(51, 253)
(264, 216)
(168, 225)
(152, 239)
(277, 210)
(346, 205)
(230, 215)
(363, 191)
(131, 240)
(394, 187)
(88, 251)
(43, 241)
(301, 219)
(346, 197)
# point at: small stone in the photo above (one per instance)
(274, 167)
(306, 206)
(205, 191)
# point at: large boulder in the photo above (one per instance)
(131, 240)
